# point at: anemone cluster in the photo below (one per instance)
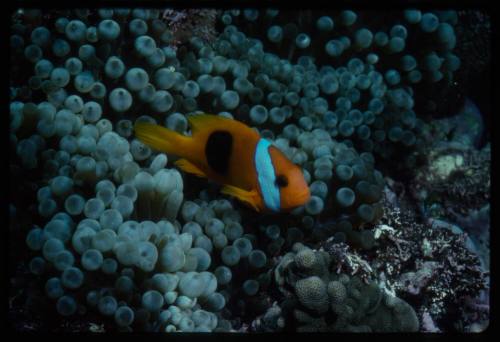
(108, 243)
(115, 229)
(357, 75)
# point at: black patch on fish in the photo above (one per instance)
(281, 181)
(218, 151)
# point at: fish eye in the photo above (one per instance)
(281, 181)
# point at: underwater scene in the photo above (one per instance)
(249, 170)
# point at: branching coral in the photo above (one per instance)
(432, 266)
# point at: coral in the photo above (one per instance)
(453, 183)
(345, 260)
(309, 263)
(473, 39)
(456, 173)
(311, 293)
(357, 303)
(271, 321)
(428, 324)
(184, 24)
(433, 265)
(394, 315)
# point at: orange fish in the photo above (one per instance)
(236, 156)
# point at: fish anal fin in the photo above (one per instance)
(187, 166)
(249, 197)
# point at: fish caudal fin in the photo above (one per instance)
(162, 139)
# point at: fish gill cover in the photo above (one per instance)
(106, 234)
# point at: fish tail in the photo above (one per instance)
(163, 139)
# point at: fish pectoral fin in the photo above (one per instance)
(187, 166)
(249, 197)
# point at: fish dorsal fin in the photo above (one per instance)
(249, 197)
(189, 167)
(206, 121)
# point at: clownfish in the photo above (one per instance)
(234, 155)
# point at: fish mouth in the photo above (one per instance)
(298, 201)
(303, 197)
